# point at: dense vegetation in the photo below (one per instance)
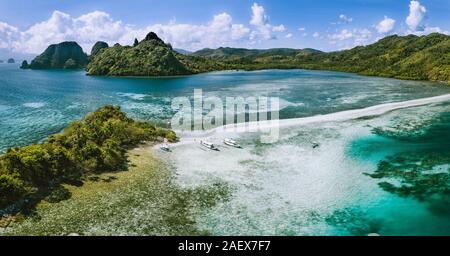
(66, 55)
(248, 55)
(405, 57)
(153, 57)
(98, 47)
(408, 57)
(150, 57)
(96, 144)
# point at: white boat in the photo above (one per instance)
(165, 147)
(231, 142)
(207, 144)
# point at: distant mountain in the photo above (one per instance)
(67, 55)
(404, 57)
(227, 52)
(11, 61)
(181, 51)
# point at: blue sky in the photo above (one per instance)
(27, 26)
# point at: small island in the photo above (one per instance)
(65, 55)
(11, 61)
(150, 57)
(94, 145)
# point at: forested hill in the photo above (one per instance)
(227, 52)
(405, 57)
(149, 57)
(67, 55)
(408, 57)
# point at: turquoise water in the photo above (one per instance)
(34, 104)
(291, 188)
(412, 151)
(285, 188)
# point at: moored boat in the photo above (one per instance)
(231, 142)
(165, 147)
(208, 145)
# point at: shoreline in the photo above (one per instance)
(144, 200)
(267, 69)
(376, 110)
(230, 71)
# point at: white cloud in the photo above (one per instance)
(85, 29)
(343, 18)
(239, 32)
(219, 32)
(94, 26)
(259, 17)
(316, 35)
(386, 25)
(345, 38)
(301, 29)
(362, 36)
(416, 19)
(289, 35)
(8, 35)
(279, 28)
(221, 22)
(263, 27)
(344, 34)
(417, 14)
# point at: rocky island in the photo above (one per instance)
(150, 57)
(96, 144)
(65, 55)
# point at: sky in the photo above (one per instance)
(30, 26)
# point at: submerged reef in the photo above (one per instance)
(423, 171)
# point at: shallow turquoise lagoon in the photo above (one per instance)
(285, 188)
